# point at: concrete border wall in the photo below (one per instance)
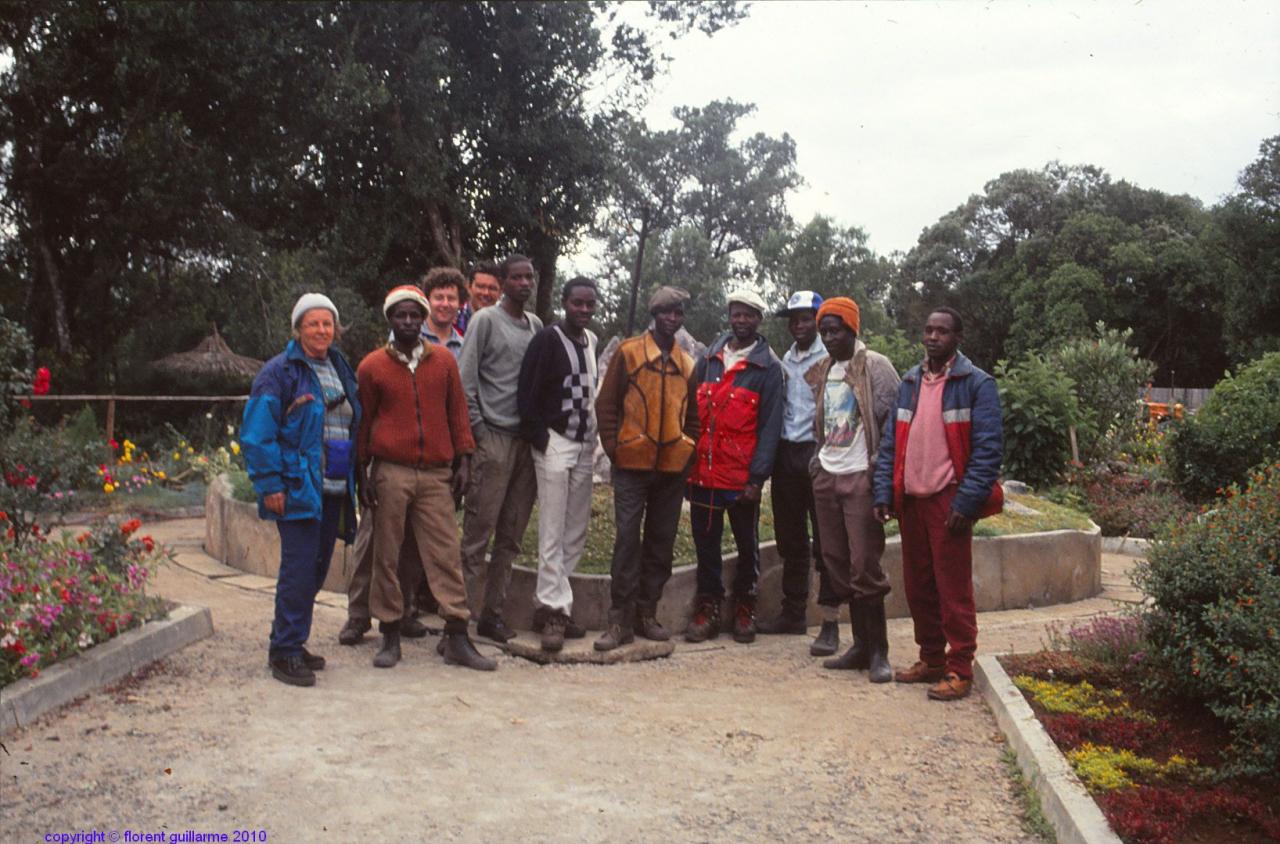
(1009, 572)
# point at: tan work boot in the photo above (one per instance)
(951, 687)
(921, 672)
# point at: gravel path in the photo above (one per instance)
(719, 742)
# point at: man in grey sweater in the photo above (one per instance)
(503, 486)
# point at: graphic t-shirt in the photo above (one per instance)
(845, 446)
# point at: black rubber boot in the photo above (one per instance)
(787, 622)
(389, 654)
(877, 633)
(857, 658)
(827, 641)
(459, 649)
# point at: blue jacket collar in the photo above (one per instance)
(962, 368)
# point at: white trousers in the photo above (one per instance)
(564, 509)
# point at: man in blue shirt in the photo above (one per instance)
(794, 519)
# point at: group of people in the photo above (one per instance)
(473, 402)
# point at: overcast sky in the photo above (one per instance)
(901, 111)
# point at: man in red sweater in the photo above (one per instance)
(415, 445)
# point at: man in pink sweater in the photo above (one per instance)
(415, 446)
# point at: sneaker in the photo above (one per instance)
(921, 672)
(352, 633)
(951, 687)
(493, 627)
(553, 632)
(292, 670)
(744, 621)
(313, 661)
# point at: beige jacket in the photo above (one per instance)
(874, 382)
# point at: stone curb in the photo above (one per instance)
(26, 700)
(1074, 815)
(1130, 546)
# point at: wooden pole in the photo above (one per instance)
(111, 419)
(1075, 449)
(635, 274)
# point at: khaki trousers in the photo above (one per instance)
(499, 502)
(852, 539)
(418, 500)
(409, 567)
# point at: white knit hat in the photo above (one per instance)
(311, 301)
(750, 298)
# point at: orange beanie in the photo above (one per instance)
(843, 307)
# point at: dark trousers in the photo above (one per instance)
(306, 545)
(642, 563)
(854, 539)
(708, 528)
(937, 573)
(794, 521)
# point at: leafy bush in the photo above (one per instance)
(1109, 377)
(1238, 428)
(1122, 501)
(15, 369)
(41, 469)
(1214, 627)
(902, 352)
(60, 597)
(1039, 405)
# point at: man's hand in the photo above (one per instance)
(881, 513)
(751, 492)
(959, 523)
(274, 503)
(368, 497)
(461, 479)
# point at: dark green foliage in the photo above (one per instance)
(1109, 377)
(1238, 428)
(15, 369)
(1039, 405)
(1214, 628)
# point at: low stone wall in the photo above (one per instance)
(1009, 572)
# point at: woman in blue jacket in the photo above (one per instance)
(298, 438)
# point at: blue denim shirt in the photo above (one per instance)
(799, 406)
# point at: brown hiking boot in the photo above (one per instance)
(618, 633)
(553, 632)
(646, 625)
(705, 623)
(951, 687)
(921, 672)
(744, 620)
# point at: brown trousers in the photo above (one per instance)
(417, 500)
(499, 503)
(852, 539)
(409, 567)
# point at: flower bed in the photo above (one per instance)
(59, 597)
(1155, 766)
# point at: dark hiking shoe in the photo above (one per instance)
(553, 632)
(617, 633)
(389, 654)
(458, 649)
(292, 670)
(352, 633)
(493, 627)
(705, 622)
(827, 641)
(572, 630)
(647, 625)
(313, 661)
(744, 621)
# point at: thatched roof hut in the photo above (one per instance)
(211, 358)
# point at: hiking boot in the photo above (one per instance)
(920, 672)
(411, 628)
(493, 627)
(457, 648)
(876, 633)
(292, 670)
(950, 687)
(389, 654)
(705, 622)
(616, 635)
(788, 623)
(744, 620)
(572, 630)
(827, 640)
(352, 633)
(646, 625)
(553, 632)
(313, 661)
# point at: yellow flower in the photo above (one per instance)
(108, 488)
(190, 450)
(160, 474)
(235, 447)
(176, 455)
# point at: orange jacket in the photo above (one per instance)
(646, 412)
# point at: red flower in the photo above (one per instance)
(130, 526)
(41, 385)
(18, 648)
(114, 446)
(149, 544)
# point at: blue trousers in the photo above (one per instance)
(306, 545)
(707, 524)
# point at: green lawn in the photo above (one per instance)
(596, 558)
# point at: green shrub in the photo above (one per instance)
(1214, 626)
(1039, 405)
(902, 352)
(1238, 428)
(41, 470)
(1109, 378)
(15, 369)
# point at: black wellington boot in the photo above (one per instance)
(459, 649)
(877, 633)
(389, 654)
(858, 656)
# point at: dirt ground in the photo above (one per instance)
(719, 742)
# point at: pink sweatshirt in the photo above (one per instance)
(928, 468)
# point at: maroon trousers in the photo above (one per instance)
(937, 571)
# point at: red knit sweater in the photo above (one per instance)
(416, 419)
